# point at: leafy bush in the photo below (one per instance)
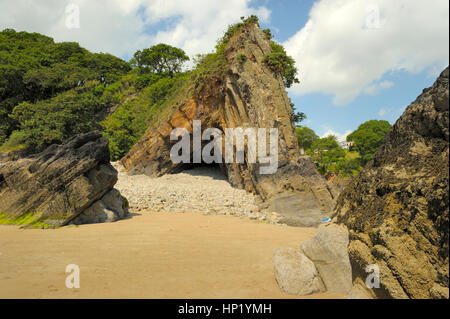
(327, 154)
(130, 121)
(280, 63)
(268, 34)
(233, 30)
(145, 80)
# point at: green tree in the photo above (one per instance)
(368, 138)
(160, 59)
(297, 117)
(306, 137)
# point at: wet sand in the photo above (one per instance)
(151, 255)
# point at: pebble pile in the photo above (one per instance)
(202, 189)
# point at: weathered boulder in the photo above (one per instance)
(397, 208)
(110, 208)
(60, 183)
(295, 273)
(328, 251)
(249, 95)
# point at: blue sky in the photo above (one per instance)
(287, 17)
(357, 59)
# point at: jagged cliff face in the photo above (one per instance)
(397, 209)
(250, 95)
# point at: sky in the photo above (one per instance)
(358, 59)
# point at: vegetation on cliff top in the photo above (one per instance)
(51, 91)
(167, 86)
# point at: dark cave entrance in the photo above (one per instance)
(212, 169)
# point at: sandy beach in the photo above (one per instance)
(151, 255)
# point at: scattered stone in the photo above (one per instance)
(203, 189)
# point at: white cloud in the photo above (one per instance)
(121, 27)
(375, 88)
(383, 112)
(341, 137)
(348, 45)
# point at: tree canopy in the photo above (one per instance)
(305, 136)
(33, 67)
(160, 59)
(368, 138)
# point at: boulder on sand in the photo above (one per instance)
(295, 273)
(328, 251)
(60, 183)
(110, 208)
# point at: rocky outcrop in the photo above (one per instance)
(250, 95)
(60, 183)
(397, 208)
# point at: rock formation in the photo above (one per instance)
(295, 273)
(397, 208)
(249, 95)
(328, 251)
(321, 263)
(61, 183)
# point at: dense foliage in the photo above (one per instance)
(33, 68)
(327, 154)
(53, 120)
(368, 138)
(132, 118)
(330, 157)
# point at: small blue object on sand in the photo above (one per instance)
(326, 220)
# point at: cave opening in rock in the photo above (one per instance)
(214, 170)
